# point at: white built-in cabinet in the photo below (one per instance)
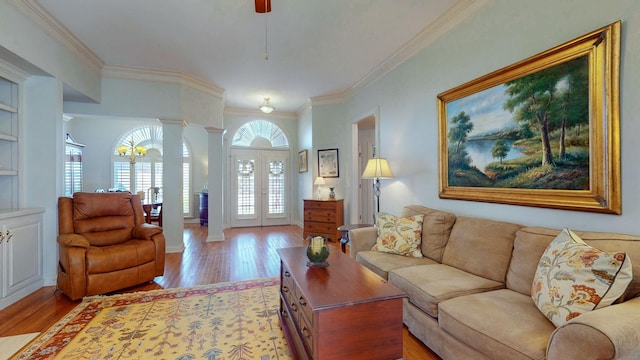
(20, 254)
(21, 238)
(9, 143)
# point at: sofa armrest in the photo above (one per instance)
(608, 333)
(362, 239)
(146, 231)
(73, 240)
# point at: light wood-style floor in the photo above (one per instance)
(246, 253)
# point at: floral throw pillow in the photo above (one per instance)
(573, 278)
(400, 236)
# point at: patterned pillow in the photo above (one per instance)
(400, 236)
(573, 278)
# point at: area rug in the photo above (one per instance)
(225, 321)
(10, 344)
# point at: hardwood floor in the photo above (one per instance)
(246, 253)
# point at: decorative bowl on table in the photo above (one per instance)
(317, 251)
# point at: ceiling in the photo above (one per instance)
(316, 49)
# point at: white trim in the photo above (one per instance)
(54, 28)
(256, 113)
(173, 77)
(461, 11)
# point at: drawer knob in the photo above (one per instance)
(285, 289)
(306, 333)
(287, 274)
(302, 301)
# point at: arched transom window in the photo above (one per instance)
(260, 134)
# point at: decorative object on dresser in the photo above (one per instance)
(319, 182)
(343, 311)
(323, 217)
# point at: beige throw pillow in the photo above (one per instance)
(398, 235)
(573, 278)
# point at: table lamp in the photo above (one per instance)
(319, 181)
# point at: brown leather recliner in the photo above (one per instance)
(105, 244)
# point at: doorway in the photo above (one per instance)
(366, 150)
(259, 188)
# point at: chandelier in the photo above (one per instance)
(266, 106)
(132, 151)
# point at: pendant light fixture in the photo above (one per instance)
(264, 7)
(266, 106)
(131, 151)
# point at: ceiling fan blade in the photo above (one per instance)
(263, 6)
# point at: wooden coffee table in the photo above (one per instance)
(343, 311)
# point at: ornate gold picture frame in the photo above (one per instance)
(542, 132)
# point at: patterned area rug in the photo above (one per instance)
(225, 321)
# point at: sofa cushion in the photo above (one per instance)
(531, 242)
(480, 246)
(381, 263)
(399, 235)
(436, 229)
(573, 278)
(501, 324)
(428, 285)
(121, 256)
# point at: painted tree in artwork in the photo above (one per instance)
(531, 100)
(500, 150)
(551, 99)
(573, 100)
(461, 126)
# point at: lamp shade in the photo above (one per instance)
(377, 168)
(319, 181)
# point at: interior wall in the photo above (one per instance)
(501, 33)
(305, 180)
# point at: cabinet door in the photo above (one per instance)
(22, 256)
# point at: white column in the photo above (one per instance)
(172, 217)
(215, 178)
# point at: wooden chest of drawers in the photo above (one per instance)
(323, 217)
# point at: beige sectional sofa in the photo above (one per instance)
(470, 295)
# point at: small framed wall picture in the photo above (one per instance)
(328, 163)
(303, 161)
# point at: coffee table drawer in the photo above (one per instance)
(307, 331)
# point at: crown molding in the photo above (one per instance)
(232, 111)
(182, 123)
(46, 21)
(173, 77)
(461, 11)
(11, 72)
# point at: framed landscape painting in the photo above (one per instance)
(542, 132)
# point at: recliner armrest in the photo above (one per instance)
(73, 240)
(146, 231)
(608, 333)
(362, 239)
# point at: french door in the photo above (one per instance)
(260, 188)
